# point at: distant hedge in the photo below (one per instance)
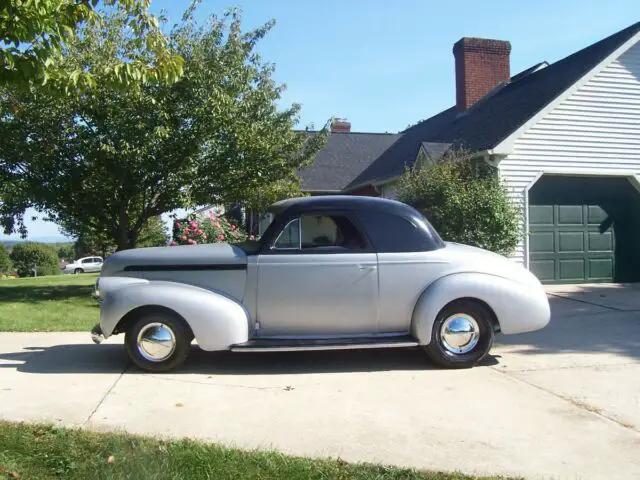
(25, 255)
(5, 260)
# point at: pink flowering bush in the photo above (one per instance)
(211, 228)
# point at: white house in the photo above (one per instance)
(565, 137)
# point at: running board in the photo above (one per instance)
(277, 345)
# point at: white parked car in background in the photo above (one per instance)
(82, 265)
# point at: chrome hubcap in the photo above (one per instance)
(459, 334)
(156, 342)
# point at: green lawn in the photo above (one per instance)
(43, 452)
(46, 304)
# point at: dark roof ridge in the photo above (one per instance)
(363, 133)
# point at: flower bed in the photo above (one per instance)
(210, 228)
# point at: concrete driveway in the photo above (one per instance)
(560, 403)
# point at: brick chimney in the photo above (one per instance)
(340, 125)
(481, 65)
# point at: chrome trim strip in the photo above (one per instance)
(325, 347)
(185, 267)
(336, 336)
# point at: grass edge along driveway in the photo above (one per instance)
(46, 451)
(57, 303)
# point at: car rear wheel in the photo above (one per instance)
(158, 342)
(78, 271)
(462, 335)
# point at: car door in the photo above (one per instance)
(318, 278)
(97, 264)
(90, 265)
(87, 264)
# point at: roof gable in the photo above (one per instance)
(496, 116)
(352, 160)
(403, 152)
(489, 122)
(343, 158)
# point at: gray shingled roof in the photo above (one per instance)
(344, 157)
(403, 152)
(496, 116)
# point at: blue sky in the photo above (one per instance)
(384, 65)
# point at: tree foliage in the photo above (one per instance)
(66, 252)
(465, 201)
(34, 35)
(25, 255)
(5, 260)
(105, 161)
(153, 233)
(92, 242)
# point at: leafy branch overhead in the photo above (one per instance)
(34, 35)
(105, 161)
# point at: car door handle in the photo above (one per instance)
(369, 268)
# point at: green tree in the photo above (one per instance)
(34, 35)
(93, 242)
(25, 255)
(107, 160)
(90, 242)
(153, 234)
(465, 201)
(66, 252)
(5, 260)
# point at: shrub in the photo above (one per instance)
(465, 202)
(25, 255)
(211, 228)
(5, 260)
(153, 234)
(66, 251)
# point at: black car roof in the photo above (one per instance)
(291, 207)
(351, 202)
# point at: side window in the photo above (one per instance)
(320, 233)
(391, 233)
(86, 260)
(336, 231)
(289, 237)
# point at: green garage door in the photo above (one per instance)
(566, 246)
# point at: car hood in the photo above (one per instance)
(209, 254)
(467, 258)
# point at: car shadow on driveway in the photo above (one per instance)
(107, 358)
(580, 327)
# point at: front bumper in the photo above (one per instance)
(96, 334)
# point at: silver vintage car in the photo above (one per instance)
(330, 272)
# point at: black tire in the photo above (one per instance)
(181, 332)
(437, 349)
(78, 271)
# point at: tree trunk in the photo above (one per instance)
(123, 237)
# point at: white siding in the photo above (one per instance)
(594, 131)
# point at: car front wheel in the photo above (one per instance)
(462, 335)
(78, 271)
(158, 342)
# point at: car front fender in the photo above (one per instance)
(518, 307)
(216, 321)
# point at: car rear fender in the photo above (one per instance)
(517, 307)
(216, 320)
